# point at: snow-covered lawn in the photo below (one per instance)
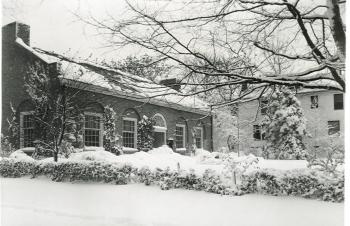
(42, 202)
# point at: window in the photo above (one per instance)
(160, 129)
(129, 132)
(263, 107)
(159, 121)
(338, 102)
(27, 129)
(314, 102)
(93, 130)
(258, 134)
(180, 136)
(198, 134)
(333, 127)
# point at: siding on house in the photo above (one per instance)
(316, 120)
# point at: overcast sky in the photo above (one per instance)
(55, 27)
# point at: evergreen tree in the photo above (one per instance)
(109, 135)
(285, 126)
(145, 134)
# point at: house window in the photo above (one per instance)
(180, 136)
(333, 127)
(338, 102)
(258, 134)
(27, 129)
(93, 130)
(263, 107)
(198, 134)
(314, 102)
(129, 132)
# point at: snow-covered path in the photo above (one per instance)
(42, 202)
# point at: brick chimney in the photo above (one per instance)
(16, 30)
(172, 83)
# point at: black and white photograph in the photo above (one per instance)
(173, 113)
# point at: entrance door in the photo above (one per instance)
(159, 139)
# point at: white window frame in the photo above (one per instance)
(161, 129)
(202, 142)
(184, 136)
(101, 126)
(135, 132)
(21, 132)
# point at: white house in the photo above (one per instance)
(323, 110)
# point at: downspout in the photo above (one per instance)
(212, 128)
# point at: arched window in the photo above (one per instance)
(160, 129)
(159, 120)
(160, 123)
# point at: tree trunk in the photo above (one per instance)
(337, 27)
(55, 156)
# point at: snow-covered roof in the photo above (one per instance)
(115, 82)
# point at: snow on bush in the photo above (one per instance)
(165, 149)
(20, 155)
(103, 156)
(306, 183)
(209, 158)
(236, 166)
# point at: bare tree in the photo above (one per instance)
(198, 34)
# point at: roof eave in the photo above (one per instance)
(98, 89)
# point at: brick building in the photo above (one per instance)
(186, 120)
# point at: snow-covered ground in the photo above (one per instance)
(42, 202)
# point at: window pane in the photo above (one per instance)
(256, 132)
(92, 122)
(128, 125)
(159, 121)
(92, 131)
(28, 131)
(28, 121)
(333, 127)
(198, 137)
(314, 101)
(92, 137)
(129, 134)
(129, 139)
(179, 135)
(338, 101)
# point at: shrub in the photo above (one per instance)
(67, 171)
(145, 128)
(14, 168)
(304, 183)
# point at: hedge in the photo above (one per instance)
(112, 173)
(305, 183)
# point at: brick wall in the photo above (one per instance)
(15, 62)
(172, 116)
